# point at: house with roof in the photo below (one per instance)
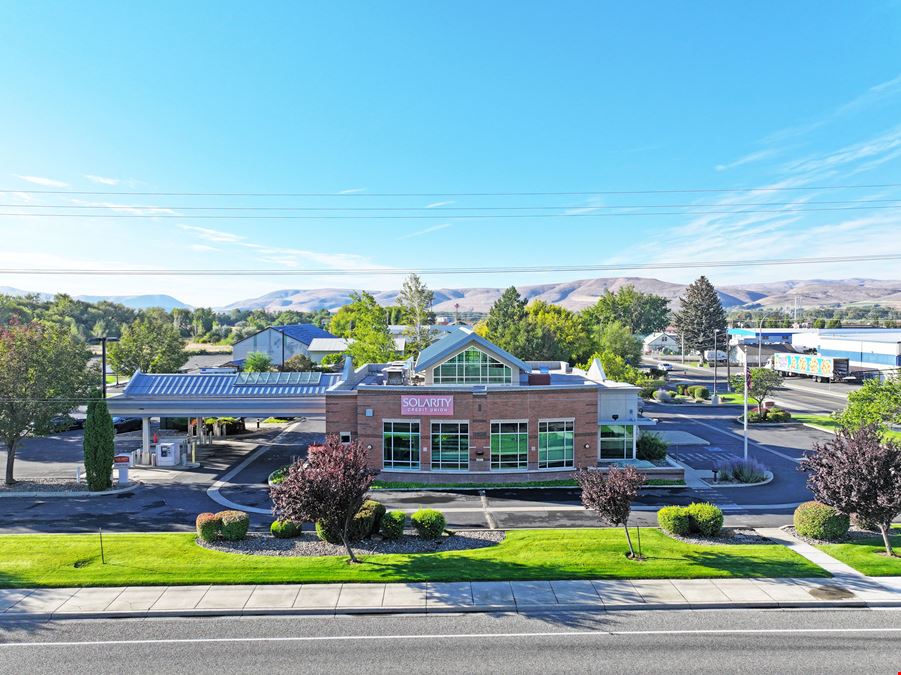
(661, 342)
(280, 343)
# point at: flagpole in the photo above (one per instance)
(747, 386)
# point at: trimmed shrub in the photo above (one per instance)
(699, 391)
(816, 520)
(284, 529)
(779, 415)
(209, 526)
(649, 386)
(674, 519)
(663, 396)
(650, 447)
(864, 524)
(364, 523)
(706, 519)
(429, 523)
(234, 525)
(682, 388)
(392, 525)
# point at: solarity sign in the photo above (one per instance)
(427, 405)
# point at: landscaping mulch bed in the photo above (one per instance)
(309, 545)
(45, 485)
(854, 534)
(728, 535)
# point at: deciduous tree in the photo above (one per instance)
(877, 403)
(858, 473)
(569, 338)
(370, 340)
(641, 313)
(509, 326)
(298, 363)
(610, 496)
(764, 382)
(43, 373)
(257, 362)
(328, 487)
(149, 344)
(416, 300)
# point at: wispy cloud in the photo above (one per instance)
(424, 231)
(102, 180)
(750, 158)
(43, 181)
(126, 208)
(351, 191)
(203, 248)
(435, 205)
(213, 235)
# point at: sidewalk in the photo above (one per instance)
(422, 598)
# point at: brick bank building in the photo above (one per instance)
(470, 409)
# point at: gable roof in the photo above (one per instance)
(456, 341)
(303, 332)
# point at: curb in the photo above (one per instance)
(525, 609)
(769, 479)
(72, 493)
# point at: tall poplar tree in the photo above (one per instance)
(701, 314)
(415, 298)
(99, 446)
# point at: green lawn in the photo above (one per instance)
(863, 555)
(152, 559)
(827, 423)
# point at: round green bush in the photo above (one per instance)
(364, 523)
(209, 526)
(392, 525)
(234, 525)
(816, 520)
(429, 523)
(650, 447)
(674, 519)
(706, 519)
(700, 392)
(284, 529)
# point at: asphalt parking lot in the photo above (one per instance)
(170, 500)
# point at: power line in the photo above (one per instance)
(454, 194)
(152, 207)
(437, 215)
(449, 270)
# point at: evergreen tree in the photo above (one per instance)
(416, 300)
(510, 327)
(701, 314)
(99, 446)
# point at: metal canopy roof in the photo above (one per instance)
(230, 385)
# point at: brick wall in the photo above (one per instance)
(348, 413)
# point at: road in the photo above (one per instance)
(712, 641)
(797, 395)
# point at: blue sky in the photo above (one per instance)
(353, 99)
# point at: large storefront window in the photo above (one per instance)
(616, 441)
(450, 446)
(555, 444)
(473, 366)
(400, 443)
(509, 445)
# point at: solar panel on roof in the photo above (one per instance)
(277, 379)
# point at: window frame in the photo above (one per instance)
(481, 371)
(570, 464)
(522, 463)
(461, 466)
(391, 466)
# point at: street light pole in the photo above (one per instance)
(716, 332)
(103, 340)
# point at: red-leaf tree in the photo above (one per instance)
(610, 496)
(860, 473)
(329, 487)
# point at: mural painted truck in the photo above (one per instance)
(820, 368)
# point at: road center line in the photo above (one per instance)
(457, 636)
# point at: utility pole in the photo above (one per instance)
(745, 418)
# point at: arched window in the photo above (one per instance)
(473, 366)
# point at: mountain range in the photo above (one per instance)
(573, 295)
(579, 294)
